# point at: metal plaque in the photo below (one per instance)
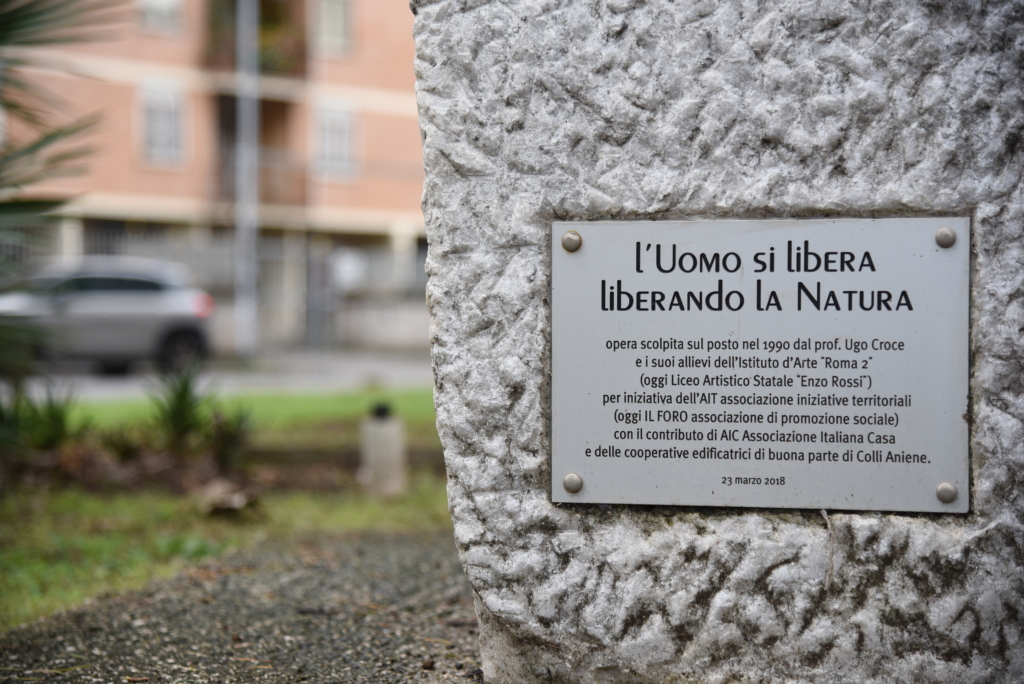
(785, 363)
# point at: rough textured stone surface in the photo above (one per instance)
(537, 110)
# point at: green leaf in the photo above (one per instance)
(28, 24)
(42, 158)
(48, 22)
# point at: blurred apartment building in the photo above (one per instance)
(341, 248)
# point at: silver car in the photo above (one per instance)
(113, 310)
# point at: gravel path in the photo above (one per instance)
(367, 608)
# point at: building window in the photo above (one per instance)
(336, 154)
(162, 125)
(335, 26)
(160, 16)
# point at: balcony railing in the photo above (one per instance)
(282, 38)
(282, 176)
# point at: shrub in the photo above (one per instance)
(180, 411)
(124, 442)
(227, 435)
(44, 425)
(18, 344)
(189, 421)
(27, 424)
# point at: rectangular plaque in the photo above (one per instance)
(786, 363)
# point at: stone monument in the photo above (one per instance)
(536, 112)
(382, 457)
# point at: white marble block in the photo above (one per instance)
(534, 111)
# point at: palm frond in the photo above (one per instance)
(25, 23)
(44, 157)
(29, 24)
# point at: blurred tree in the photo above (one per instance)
(32, 146)
(41, 149)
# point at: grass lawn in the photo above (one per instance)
(292, 420)
(59, 547)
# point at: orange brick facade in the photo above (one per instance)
(340, 149)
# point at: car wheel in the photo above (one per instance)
(180, 352)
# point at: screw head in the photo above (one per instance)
(946, 492)
(572, 241)
(572, 483)
(945, 237)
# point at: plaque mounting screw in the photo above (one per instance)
(572, 241)
(945, 238)
(946, 492)
(574, 483)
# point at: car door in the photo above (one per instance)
(78, 322)
(139, 310)
(100, 316)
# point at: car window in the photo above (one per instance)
(66, 287)
(90, 284)
(85, 284)
(107, 284)
(136, 285)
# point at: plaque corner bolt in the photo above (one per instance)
(572, 483)
(946, 492)
(572, 241)
(945, 237)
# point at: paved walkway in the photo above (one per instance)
(286, 371)
(370, 608)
